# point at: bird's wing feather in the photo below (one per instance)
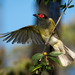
(23, 35)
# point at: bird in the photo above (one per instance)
(39, 34)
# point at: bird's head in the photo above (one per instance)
(42, 20)
(40, 16)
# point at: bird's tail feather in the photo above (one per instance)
(66, 58)
(70, 52)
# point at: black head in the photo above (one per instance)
(41, 16)
(42, 20)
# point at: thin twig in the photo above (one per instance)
(59, 19)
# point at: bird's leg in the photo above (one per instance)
(52, 32)
(46, 43)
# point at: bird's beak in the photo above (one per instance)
(35, 15)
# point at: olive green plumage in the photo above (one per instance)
(35, 33)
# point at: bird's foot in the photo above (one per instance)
(52, 32)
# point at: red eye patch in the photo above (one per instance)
(41, 15)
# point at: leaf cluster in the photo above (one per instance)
(42, 65)
(64, 6)
(61, 6)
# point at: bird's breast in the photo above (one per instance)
(53, 41)
(45, 33)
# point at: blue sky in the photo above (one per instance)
(16, 14)
(19, 13)
(69, 15)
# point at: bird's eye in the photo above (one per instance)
(41, 15)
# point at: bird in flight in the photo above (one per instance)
(39, 34)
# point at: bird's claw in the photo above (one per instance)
(52, 32)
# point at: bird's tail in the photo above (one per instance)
(67, 56)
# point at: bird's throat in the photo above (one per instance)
(43, 24)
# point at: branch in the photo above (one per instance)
(59, 19)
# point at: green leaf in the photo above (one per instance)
(55, 53)
(37, 56)
(37, 67)
(43, 63)
(46, 2)
(71, 6)
(35, 61)
(53, 0)
(54, 59)
(48, 67)
(31, 68)
(63, 6)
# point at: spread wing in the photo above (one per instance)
(23, 35)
